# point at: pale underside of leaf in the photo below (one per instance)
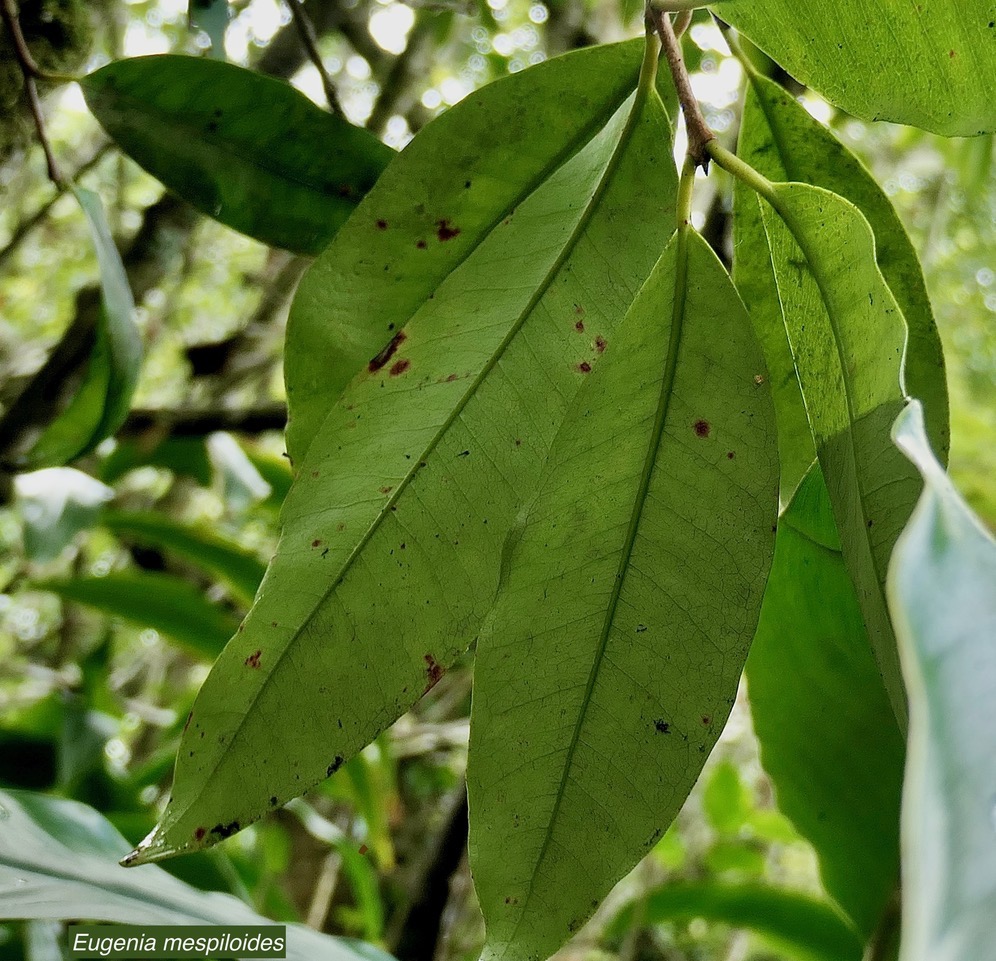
(848, 338)
(392, 533)
(608, 667)
(431, 209)
(942, 593)
(931, 64)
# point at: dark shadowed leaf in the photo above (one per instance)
(101, 403)
(942, 594)
(246, 149)
(610, 663)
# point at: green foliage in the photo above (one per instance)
(201, 135)
(942, 592)
(629, 600)
(58, 861)
(930, 64)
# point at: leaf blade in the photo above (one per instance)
(576, 714)
(389, 536)
(202, 135)
(941, 593)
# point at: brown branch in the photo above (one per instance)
(699, 134)
(309, 40)
(200, 423)
(31, 71)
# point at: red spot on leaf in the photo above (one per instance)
(386, 490)
(701, 428)
(445, 230)
(253, 659)
(579, 326)
(199, 834)
(584, 367)
(400, 366)
(388, 352)
(316, 543)
(433, 671)
(600, 344)
(363, 849)
(186, 724)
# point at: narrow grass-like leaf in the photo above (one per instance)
(160, 601)
(58, 861)
(848, 338)
(393, 530)
(942, 593)
(101, 403)
(443, 197)
(237, 567)
(931, 64)
(610, 663)
(843, 800)
(248, 150)
(802, 926)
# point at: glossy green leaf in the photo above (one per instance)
(160, 601)
(799, 925)
(828, 736)
(942, 593)
(931, 64)
(848, 338)
(447, 193)
(58, 861)
(102, 401)
(237, 567)
(186, 456)
(246, 149)
(393, 530)
(608, 667)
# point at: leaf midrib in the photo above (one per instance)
(582, 224)
(636, 515)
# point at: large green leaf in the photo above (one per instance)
(780, 139)
(102, 401)
(58, 861)
(848, 339)
(160, 601)
(931, 63)
(802, 926)
(811, 626)
(816, 693)
(942, 593)
(393, 530)
(246, 149)
(239, 568)
(436, 205)
(608, 667)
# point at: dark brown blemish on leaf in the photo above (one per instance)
(199, 834)
(382, 224)
(345, 190)
(706, 720)
(701, 428)
(730, 455)
(579, 326)
(316, 543)
(466, 185)
(226, 830)
(334, 766)
(400, 366)
(273, 801)
(363, 849)
(445, 230)
(186, 723)
(662, 726)
(421, 244)
(584, 367)
(253, 659)
(386, 490)
(600, 344)
(433, 671)
(952, 54)
(388, 352)
(870, 522)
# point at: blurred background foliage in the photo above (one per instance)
(122, 578)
